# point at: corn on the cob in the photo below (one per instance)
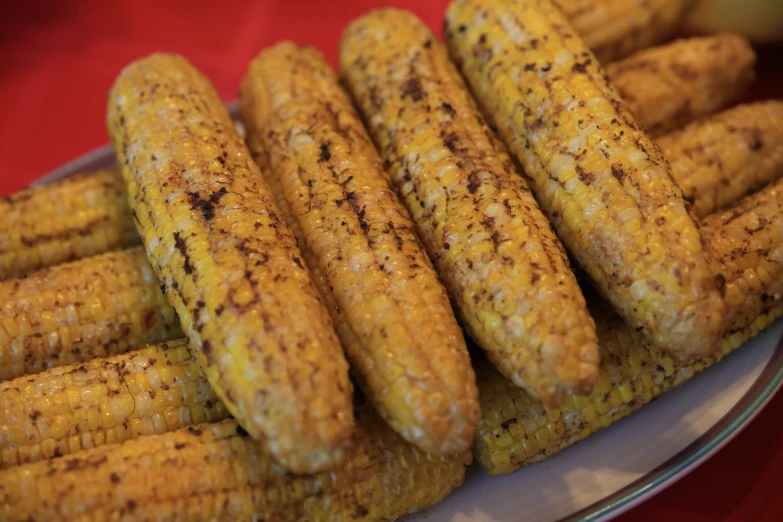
(506, 271)
(156, 389)
(746, 240)
(517, 430)
(600, 179)
(229, 264)
(75, 217)
(392, 314)
(70, 313)
(718, 160)
(669, 86)
(613, 29)
(214, 472)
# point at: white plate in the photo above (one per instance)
(616, 468)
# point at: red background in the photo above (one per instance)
(58, 59)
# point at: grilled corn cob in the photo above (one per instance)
(60, 411)
(718, 160)
(70, 313)
(214, 472)
(75, 217)
(229, 264)
(602, 182)
(517, 430)
(669, 86)
(506, 272)
(746, 240)
(392, 314)
(613, 29)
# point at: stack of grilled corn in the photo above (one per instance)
(340, 239)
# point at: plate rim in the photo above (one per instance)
(725, 429)
(769, 381)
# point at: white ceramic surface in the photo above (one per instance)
(617, 468)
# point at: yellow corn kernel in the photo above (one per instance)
(669, 86)
(505, 269)
(396, 324)
(215, 236)
(566, 124)
(614, 29)
(747, 233)
(717, 160)
(68, 219)
(46, 302)
(104, 398)
(222, 475)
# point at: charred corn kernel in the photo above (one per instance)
(68, 219)
(743, 238)
(392, 314)
(517, 296)
(101, 305)
(617, 340)
(747, 239)
(719, 159)
(215, 472)
(229, 264)
(122, 389)
(569, 128)
(613, 29)
(669, 86)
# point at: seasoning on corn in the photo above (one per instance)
(669, 86)
(63, 410)
(746, 240)
(392, 314)
(70, 313)
(613, 29)
(600, 179)
(517, 430)
(75, 217)
(229, 264)
(215, 472)
(717, 160)
(506, 272)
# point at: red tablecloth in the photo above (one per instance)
(58, 59)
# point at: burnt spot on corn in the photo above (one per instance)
(412, 89)
(205, 206)
(179, 244)
(325, 154)
(584, 176)
(215, 196)
(505, 425)
(450, 141)
(206, 349)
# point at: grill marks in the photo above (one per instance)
(66, 234)
(242, 223)
(622, 117)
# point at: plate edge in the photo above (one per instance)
(696, 453)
